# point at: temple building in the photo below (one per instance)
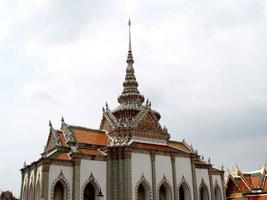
(247, 185)
(130, 157)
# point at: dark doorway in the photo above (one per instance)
(89, 192)
(141, 195)
(58, 191)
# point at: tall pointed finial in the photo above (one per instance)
(130, 93)
(130, 55)
(130, 42)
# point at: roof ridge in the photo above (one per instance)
(85, 128)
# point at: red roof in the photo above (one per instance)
(88, 136)
(91, 152)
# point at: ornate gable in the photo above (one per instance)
(53, 139)
(149, 122)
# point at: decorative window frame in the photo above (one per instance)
(94, 182)
(146, 185)
(61, 178)
(165, 181)
(203, 184)
(216, 185)
(182, 182)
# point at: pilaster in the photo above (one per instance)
(174, 179)
(34, 182)
(109, 176)
(28, 183)
(194, 179)
(76, 178)
(211, 182)
(121, 175)
(119, 171)
(45, 179)
(128, 174)
(223, 184)
(153, 167)
(22, 181)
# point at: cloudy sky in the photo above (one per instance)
(201, 63)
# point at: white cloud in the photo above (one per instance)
(40, 91)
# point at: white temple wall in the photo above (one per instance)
(183, 169)
(98, 170)
(202, 174)
(163, 168)
(54, 174)
(141, 165)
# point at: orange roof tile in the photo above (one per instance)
(264, 187)
(256, 180)
(90, 137)
(62, 139)
(63, 156)
(92, 152)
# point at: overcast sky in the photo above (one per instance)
(201, 63)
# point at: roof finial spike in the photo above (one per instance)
(62, 119)
(130, 42)
(50, 124)
(130, 55)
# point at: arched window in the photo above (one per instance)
(141, 194)
(164, 192)
(183, 192)
(218, 193)
(59, 191)
(143, 189)
(204, 194)
(90, 192)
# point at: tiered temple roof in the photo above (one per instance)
(133, 124)
(247, 183)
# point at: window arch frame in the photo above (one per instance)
(183, 183)
(165, 183)
(61, 178)
(94, 183)
(218, 189)
(145, 183)
(204, 186)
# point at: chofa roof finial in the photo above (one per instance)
(50, 124)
